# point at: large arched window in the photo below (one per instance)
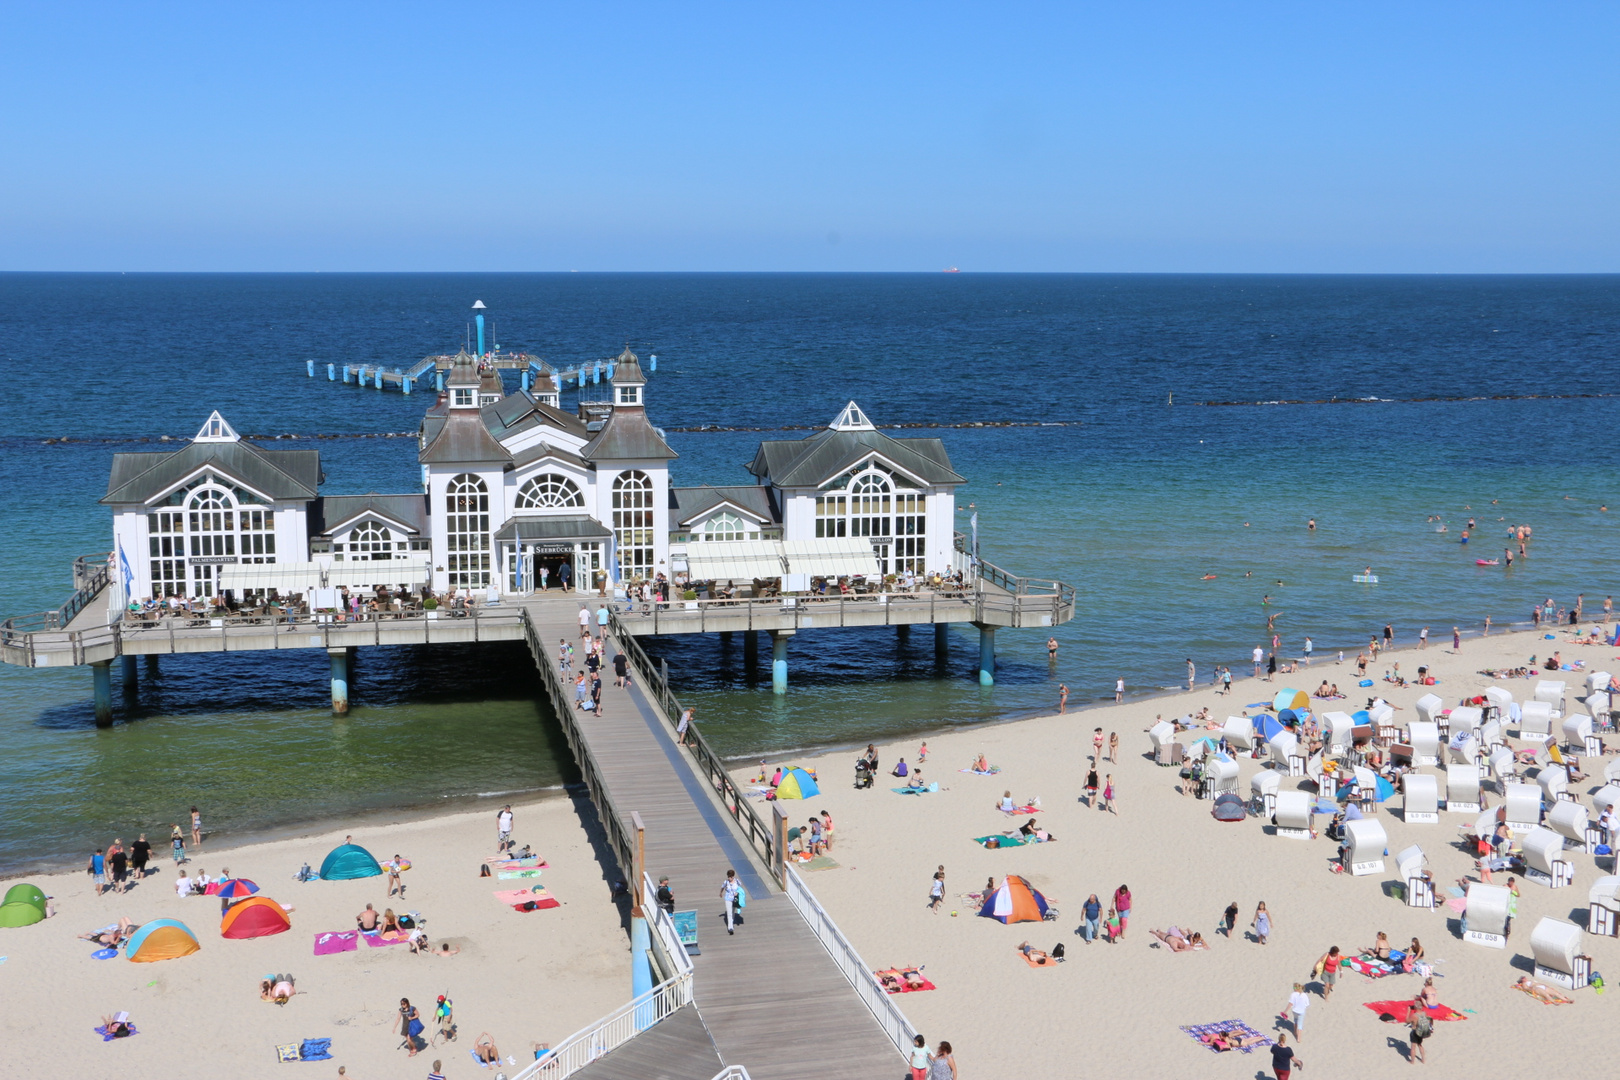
(211, 526)
(466, 504)
(869, 505)
(724, 527)
(548, 490)
(371, 541)
(633, 524)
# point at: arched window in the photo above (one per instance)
(211, 526)
(548, 490)
(724, 527)
(371, 541)
(633, 524)
(466, 504)
(869, 505)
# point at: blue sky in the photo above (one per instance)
(996, 137)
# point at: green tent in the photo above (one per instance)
(22, 914)
(347, 861)
(25, 894)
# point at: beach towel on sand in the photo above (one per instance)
(991, 771)
(915, 790)
(1006, 841)
(516, 898)
(378, 941)
(1398, 1012)
(1030, 809)
(1225, 1027)
(1371, 967)
(506, 875)
(896, 974)
(107, 1036)
(336, 941)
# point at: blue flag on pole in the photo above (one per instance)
(128, 574)
(974, 521)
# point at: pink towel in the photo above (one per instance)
(515, 897)
(336, 941)
(378, 941)
(1459, 904)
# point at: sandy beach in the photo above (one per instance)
(1116, 1009)
(523, 977)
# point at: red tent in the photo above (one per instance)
(257, 916)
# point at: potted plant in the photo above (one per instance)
(690, 596)
(431, 607)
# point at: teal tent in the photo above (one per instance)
(349, 861)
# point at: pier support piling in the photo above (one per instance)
(310, 366)
(331, 373)
(102, 673)
(902, 636)
(942, 642)
(750, 650)
(779, 646)
(340, 679)
(129, 678)
(987, 655)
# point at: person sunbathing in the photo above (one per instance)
(917, 781)
(889, 981)
(282, 991)
(118, 1025)
(1322, 691)
(1006, 805)
(1230, 1040)
(390, 923)
(1380, 947)
(913, 978)
(981, 764)
(484, 1049)
(1541, 992)
(367, 919)
(1038, 957)
(111, 937)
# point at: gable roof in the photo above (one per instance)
(541, 450)
(331, 511)
(142, 476)
(519, 412)
(459, 437)
(691, 503)
(817, 458)
(627, 434)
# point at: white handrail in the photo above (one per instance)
(613, 1031)
(663, 928)
(871, 992)
(732, 1072)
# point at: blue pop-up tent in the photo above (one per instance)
(348, 861)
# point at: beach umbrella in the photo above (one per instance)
(236, 887)
(1297, 700)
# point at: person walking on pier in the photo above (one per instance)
(730, 892)
(621, 670)
(564, 573)
(545, 572)
(601, 621)
(584, 621)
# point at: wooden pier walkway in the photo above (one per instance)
(770, 996)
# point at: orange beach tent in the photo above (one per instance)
(257, 916)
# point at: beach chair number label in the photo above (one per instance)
(1490, 941)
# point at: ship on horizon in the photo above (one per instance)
(951, 270)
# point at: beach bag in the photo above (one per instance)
(483, 871)
(1422, 1026)
(407, 923)
(1057, 951)
(414, 1028)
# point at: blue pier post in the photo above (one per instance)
(779, 646)
(525, 380)
(406, 382)
(987, 655)
(310, 365)
(331, 373)
(479, 319)
(102, 673)
(438, 381)
(347, 373)
(641, 973)
(340, 680)
(379, 376)
(652, 362)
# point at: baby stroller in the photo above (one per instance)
(863, 774)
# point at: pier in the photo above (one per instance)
(667, 809)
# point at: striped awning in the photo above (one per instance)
(302, 577)
(842, 557)
(734, 560)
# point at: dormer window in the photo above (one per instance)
(463, 397)
(489, 399)
(629, 395)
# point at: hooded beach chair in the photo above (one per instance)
(1463, 748)
(1263, 788)
(1239, 732)
(1551, 692)
(1364, 845)
(1603, 910)
(1523, 802)
(1570, 820)
(1490, 733)
(1485, 915)
(1498, 703)
(1556, 946)
(1597, 682)
(1535, 720)
(1166, 751)
(1428, 708)
(1462, 788)
(1221, 775)
(1382, 719)
(1553, 780)
(1336, 732)
(1411, 867)
(1544, 861)
(1424, 739)
(1463, 718)
(1286, 752)
(1421, 793)
(1294, 814)
(1598, 707)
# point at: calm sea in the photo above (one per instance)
(1368, 403)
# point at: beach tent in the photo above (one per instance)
(1267, 725)
(1297, 700)
(257, 916)
(161, 939)
(797, 784)
(1293, 716)
(1229, 807)
(20, 913)
(25, 894)
(1015, 900)
(348, 861)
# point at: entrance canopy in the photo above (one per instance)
(568, 527)
(305, 577)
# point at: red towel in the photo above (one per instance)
(1398, 1012)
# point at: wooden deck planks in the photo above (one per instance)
(770, 997)
(678, 1047)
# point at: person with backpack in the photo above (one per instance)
(1420, 1026)
(731, 893)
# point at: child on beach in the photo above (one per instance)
(922, 753)
(1108, 796)
(936, 891)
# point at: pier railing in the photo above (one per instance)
(731, 797)
(90, 576)
(871, 992)
(611, 1032)
(619, 836)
